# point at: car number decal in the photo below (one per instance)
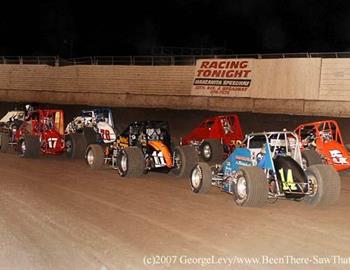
(337, 157)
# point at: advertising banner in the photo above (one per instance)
(222, 77)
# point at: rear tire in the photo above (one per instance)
(91, 137)
(201, 178)
(4, 142)
(212, 151)
(326, 184)
(251, 189)
(131, 162)
(75, 145)
(185, 158)
(310, 157)
(94, 156)
(30, 146)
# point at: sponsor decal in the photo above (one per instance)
(222, 77)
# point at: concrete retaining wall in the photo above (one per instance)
(288, 86)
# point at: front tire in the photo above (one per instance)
(324, 183)
(75, 145)
(131, 162)
(251, 189)
(212, 151)
(30, 146)
(185, 158)
(201, 178)
(4, 142)
(94, 156)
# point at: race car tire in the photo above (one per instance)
(185, 158)
(94, 156)
(4, 142)
(90, 135)
(75, 145)
(212, 151)
(310, 157)
(131, 162)
(251, 188)
(30, 146)
(325, 183)
(201, 178)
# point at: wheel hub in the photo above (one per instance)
(313, 186)
(90, 157)
(241, 187)
(177, 160)
(207, 151)
(23, 147)
(196, 177)
(124, 163)
(69, 146)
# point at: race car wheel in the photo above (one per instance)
(324, 185)
(75, 145)
(4, 142)
(250, 188)
(131, 162)
(29, 146)
(212, 151)
(185, 158)
(94, 156)
(310, 157)
(200, 178)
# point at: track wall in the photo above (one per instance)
(306, 86)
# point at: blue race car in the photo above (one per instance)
(269, 166)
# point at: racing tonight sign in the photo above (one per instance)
(222, 77)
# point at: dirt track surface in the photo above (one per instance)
(59, 214)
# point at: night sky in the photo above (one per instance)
(76, 28)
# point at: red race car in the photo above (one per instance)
(42, 131)
(322, 143)
(215, 137)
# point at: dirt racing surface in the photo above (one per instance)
(59, 214)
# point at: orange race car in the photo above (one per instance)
(324, 138)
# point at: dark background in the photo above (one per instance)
(76, 28)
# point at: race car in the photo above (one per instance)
(90, 127)
(8, 125)
(322, 143)
(143, 146)
(11, 117)
(34, 132)
(215, 137)
(269, 167)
